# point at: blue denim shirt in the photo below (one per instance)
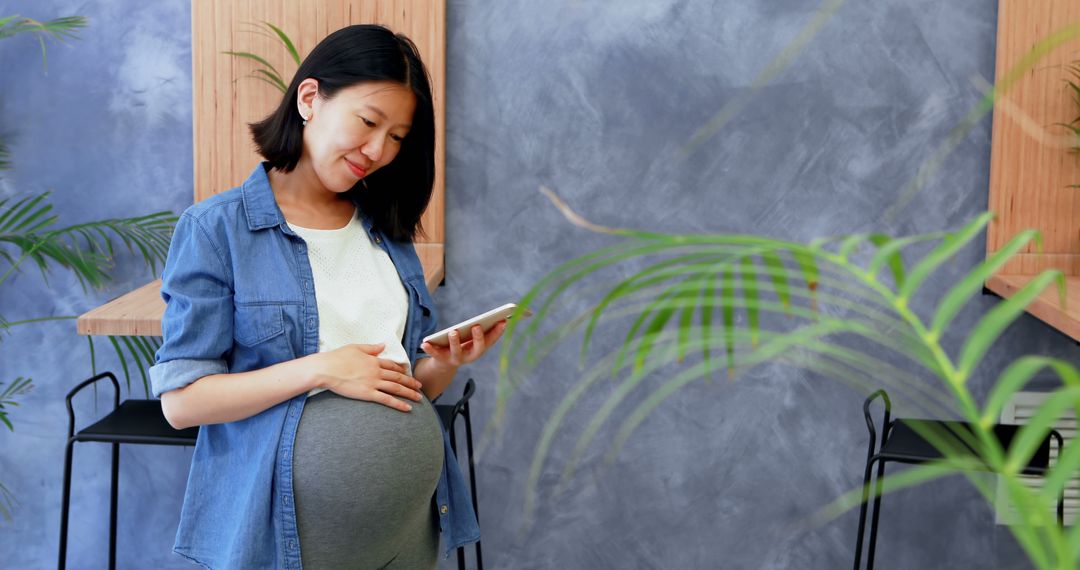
(240, 296)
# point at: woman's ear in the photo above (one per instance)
(306, 94)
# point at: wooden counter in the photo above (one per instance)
(1046, 306)
(139, 312)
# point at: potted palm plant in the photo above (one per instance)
(27, 233)
(839, 306)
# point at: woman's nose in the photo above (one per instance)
(372, 149)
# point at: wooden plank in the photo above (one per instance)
(431, 257)
(1047, 306)
(139, 312)
(1031, 165)
(226, 98)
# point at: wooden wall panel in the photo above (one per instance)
(1031, 165)
(227, 98)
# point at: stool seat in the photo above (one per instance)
(904, 444)
(133, 421)
(138, 421)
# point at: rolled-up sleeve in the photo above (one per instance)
(197, 327)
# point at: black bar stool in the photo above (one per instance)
(133, 421)
(449, 413)
(142, 422)
(901, 443)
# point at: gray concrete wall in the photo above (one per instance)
(595, 100)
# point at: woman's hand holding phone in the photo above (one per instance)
(356, 371)
(463, 352)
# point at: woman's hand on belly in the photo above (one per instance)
(356, 371)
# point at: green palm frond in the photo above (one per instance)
(59, 29)
(87, 249)
(839, 307)
(139, 349)
(5, 156)
(19, 387)
(269, 73)
(7, 503)
(1073, 85)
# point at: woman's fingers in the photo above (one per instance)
(391, 365)
(399, 390)
(390, 401)
(455, 347)
(479, 344)
(495, 332)
(435, 350)
(402, 379)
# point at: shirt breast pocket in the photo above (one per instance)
(261, 336)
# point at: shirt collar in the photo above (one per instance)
(262, 209)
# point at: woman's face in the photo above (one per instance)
(356, 132)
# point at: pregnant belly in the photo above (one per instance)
(362, 459)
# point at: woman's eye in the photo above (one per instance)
(367, 122)
(397, 138)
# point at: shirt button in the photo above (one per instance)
(311, 324)
(292, 545)
(444, 509)
(378, 239)
(285, 499)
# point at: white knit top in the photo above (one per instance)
(358, 291)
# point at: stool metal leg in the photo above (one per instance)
(862, 513)
(64, 505)
(472, 478)
(112, 505)
(453, 447)
(874, 516)
(874, 512)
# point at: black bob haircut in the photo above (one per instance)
(396, 194)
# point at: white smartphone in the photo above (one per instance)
(464, 328)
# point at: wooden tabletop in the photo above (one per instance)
(1047, 306)
(139, 312)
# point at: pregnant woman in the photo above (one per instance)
(295, 310)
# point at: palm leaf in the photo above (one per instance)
(256, 58)
(17, 388)
(1037, 428)
(991, 325)
(289, 47)
(664, 296)
(59, 29)
(132, 352)
(5, 156)
(940, 254)
(270, 75)
(973, 282)
(25, 224)
(7, 502)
